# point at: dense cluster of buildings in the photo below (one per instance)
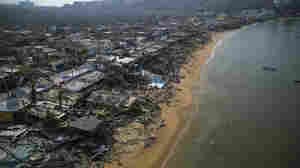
(96, 4)
(75, 57)
(80, 77)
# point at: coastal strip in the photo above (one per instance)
(202, 56)
(176, 115)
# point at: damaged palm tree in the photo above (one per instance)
(33, 94)
(60, 97)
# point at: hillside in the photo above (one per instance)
(12, 14)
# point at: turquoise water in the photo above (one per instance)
(242, 115)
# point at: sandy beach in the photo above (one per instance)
(175, 115)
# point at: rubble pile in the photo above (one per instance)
(25, 146)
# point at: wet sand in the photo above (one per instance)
(175, 115)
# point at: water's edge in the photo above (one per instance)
(218, 40)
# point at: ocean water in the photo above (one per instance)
(243, 115)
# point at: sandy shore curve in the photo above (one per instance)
(176, 114)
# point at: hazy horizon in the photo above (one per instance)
(44, 2)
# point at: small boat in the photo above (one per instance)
(297, 81)
(268, 68)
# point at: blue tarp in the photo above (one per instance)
(14, 103)
(157, 82)
(108, 51)
(92, 52)
(60, 67)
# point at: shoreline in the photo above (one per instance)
(201, 56)
(208, 54)
(176, 115)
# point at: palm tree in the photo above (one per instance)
(60, 97)
(4, 83)
(33, 93)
